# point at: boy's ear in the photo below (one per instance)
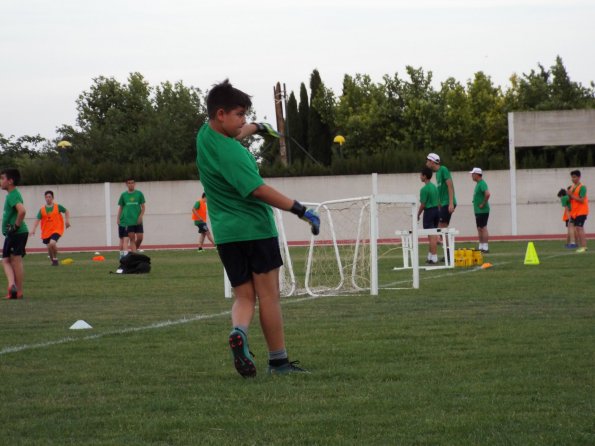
(220, 114)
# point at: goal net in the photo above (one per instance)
(356, 250)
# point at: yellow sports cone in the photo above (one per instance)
(531, 255)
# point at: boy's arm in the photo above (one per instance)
(420, 210)
(486, 197)
(66, 218)
(195, 211)
(119, 215)
(451, 195)
(276, 199)
(262, 128)
(139, 221)
(32, 231)
(20, 214)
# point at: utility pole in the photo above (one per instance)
(280, 122)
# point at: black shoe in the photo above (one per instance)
(484, 251)
(285, 369)
(431, 262)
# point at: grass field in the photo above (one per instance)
(504, 356)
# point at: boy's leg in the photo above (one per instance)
(138, 240)
(242, 310)
(8, 271)
(241, 315)
(16, 263)
(581, 240)
(210, 237)
(132, 241)
(201, 240)
(269, 307)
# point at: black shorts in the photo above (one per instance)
(579, 221)
(431, 218)
(242, 259)
(14, 245)
(122, 232)
(481, 220)
(445, 215)
(54, 236)
(202, 227)
(136, 229)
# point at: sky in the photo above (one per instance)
(50, 51)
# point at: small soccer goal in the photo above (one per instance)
(356, 250)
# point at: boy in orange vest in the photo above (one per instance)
(52, 225)
(579, 209)
(199, 217)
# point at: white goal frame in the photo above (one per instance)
(323, 209)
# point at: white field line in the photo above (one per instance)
(200, 317)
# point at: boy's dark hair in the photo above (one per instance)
(575, 173)
(427, 172)
(204, 195)
(225, 96)
(561, 193)
(127, 179)
(49, 192)
(12, 174)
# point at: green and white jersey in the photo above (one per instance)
(9, 217)
(428, 195)
(478, 196)
(131, 207)
(229, 174)
(442, 175)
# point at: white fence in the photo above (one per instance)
(93, 207)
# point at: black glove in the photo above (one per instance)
(264, 128)
(12, 229)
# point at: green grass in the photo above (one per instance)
(504, 356)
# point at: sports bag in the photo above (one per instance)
(134, 263)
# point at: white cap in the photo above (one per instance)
(477, 170)
(433, 157)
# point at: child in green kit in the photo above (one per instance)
(428, 205)
(243, 225)
(16, 232)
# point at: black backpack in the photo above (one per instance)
(134, 263)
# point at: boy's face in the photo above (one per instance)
(422, 177)
(49, 199)
(575, 179)
(232, 121)
(432, 165)
(130, 184)
(4, 182)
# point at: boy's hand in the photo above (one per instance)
(264, 128)
(308, 215)
(12, 229)
(312, 217)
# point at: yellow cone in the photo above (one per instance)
(531, 255)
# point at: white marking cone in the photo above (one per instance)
(80, 325)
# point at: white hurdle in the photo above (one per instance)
(447, 236)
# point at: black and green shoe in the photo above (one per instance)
(242, 356)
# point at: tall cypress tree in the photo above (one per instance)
(319, 135)
(293, 129)
(304, 112)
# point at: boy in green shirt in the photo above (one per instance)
(16, 232)
(131, 209)
(481, 208)
(428, 204)
(243, 225)
(565, 202)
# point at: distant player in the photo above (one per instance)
(52, 225)
(243, 225)
(428, 205)
(131, 209)
(579, 209)
(199, 216)
(481, 208)
(16, 232)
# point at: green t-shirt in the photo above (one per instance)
(131, 207)
(428, 195)
(478, 196)
(442, 175)
(565, 202)
(49, 209)
(10, 212)
(229, 174)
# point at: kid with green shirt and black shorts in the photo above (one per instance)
(243, 225)
(481, 208)
(428, 204)
(16, 232)
(131, 209)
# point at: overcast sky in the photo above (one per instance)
(52, 49)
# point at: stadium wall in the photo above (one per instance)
(167, 220)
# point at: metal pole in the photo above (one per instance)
(512, 161)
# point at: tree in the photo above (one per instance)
(293, 129)
(319, 134)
